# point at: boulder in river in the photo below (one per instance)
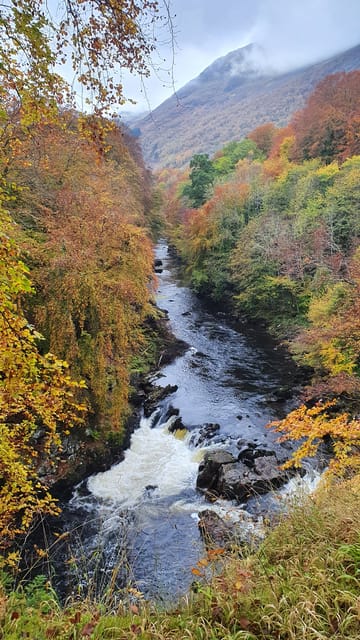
(224, 533)
(210, 468)
(177, 425)
(239, 482)
(155, 396)
(158, 265)
(205, 434)
(255, 472)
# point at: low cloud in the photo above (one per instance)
(291, 34)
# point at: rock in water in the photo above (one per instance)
(214, 531)
(209, 469)
(221, 475)
(239, 482)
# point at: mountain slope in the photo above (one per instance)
(226, 101)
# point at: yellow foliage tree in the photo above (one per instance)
(36, 402)
(82, 221)
(312, 425)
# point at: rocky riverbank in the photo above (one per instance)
(82, 454)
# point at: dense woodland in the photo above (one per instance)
(274, 233)
(77, 217)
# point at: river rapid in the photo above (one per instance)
(137, 523)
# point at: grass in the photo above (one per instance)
(302, 584)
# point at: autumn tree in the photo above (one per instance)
(312, 424)
(327, 126)
(98, 40)
(331, 342)
(263, 136)
(211, 232)
(80, 197)
(37, 402)
(46, 156)
(279, 157)
(82, 220)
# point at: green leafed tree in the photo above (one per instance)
(230, 155)
(201, 180)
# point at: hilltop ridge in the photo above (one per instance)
(232, 96)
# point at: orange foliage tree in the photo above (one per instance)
(83, 216)
(37, 403)
(328, 126)
(312, 425)
(80, 197)
(263, 136)
(97, 39)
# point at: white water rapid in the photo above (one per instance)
(157, 463)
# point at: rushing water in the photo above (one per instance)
(143, 511)
(225, 376)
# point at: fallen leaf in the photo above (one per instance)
(88, 629)
(134, 609)
(76, 618)
(244, 623)
(216, 613)
(203, 562)
(215, 552)
(135, 629)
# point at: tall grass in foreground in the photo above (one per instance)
(302, 584)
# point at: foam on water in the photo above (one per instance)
(155, 459)
(300, 486)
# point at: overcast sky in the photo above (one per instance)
(292, 32)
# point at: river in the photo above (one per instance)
(137, 522)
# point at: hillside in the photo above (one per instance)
(231, 97)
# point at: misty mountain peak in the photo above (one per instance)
(232, 96)
(249, 61)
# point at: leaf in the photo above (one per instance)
(203, 562)
(76, 618)
(88, 629)
(134, 609)
(212, 553)
(244, 623)
(135, 628)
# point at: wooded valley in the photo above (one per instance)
(268, 229)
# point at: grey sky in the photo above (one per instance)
(292, 32)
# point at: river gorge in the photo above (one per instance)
(137, 523)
